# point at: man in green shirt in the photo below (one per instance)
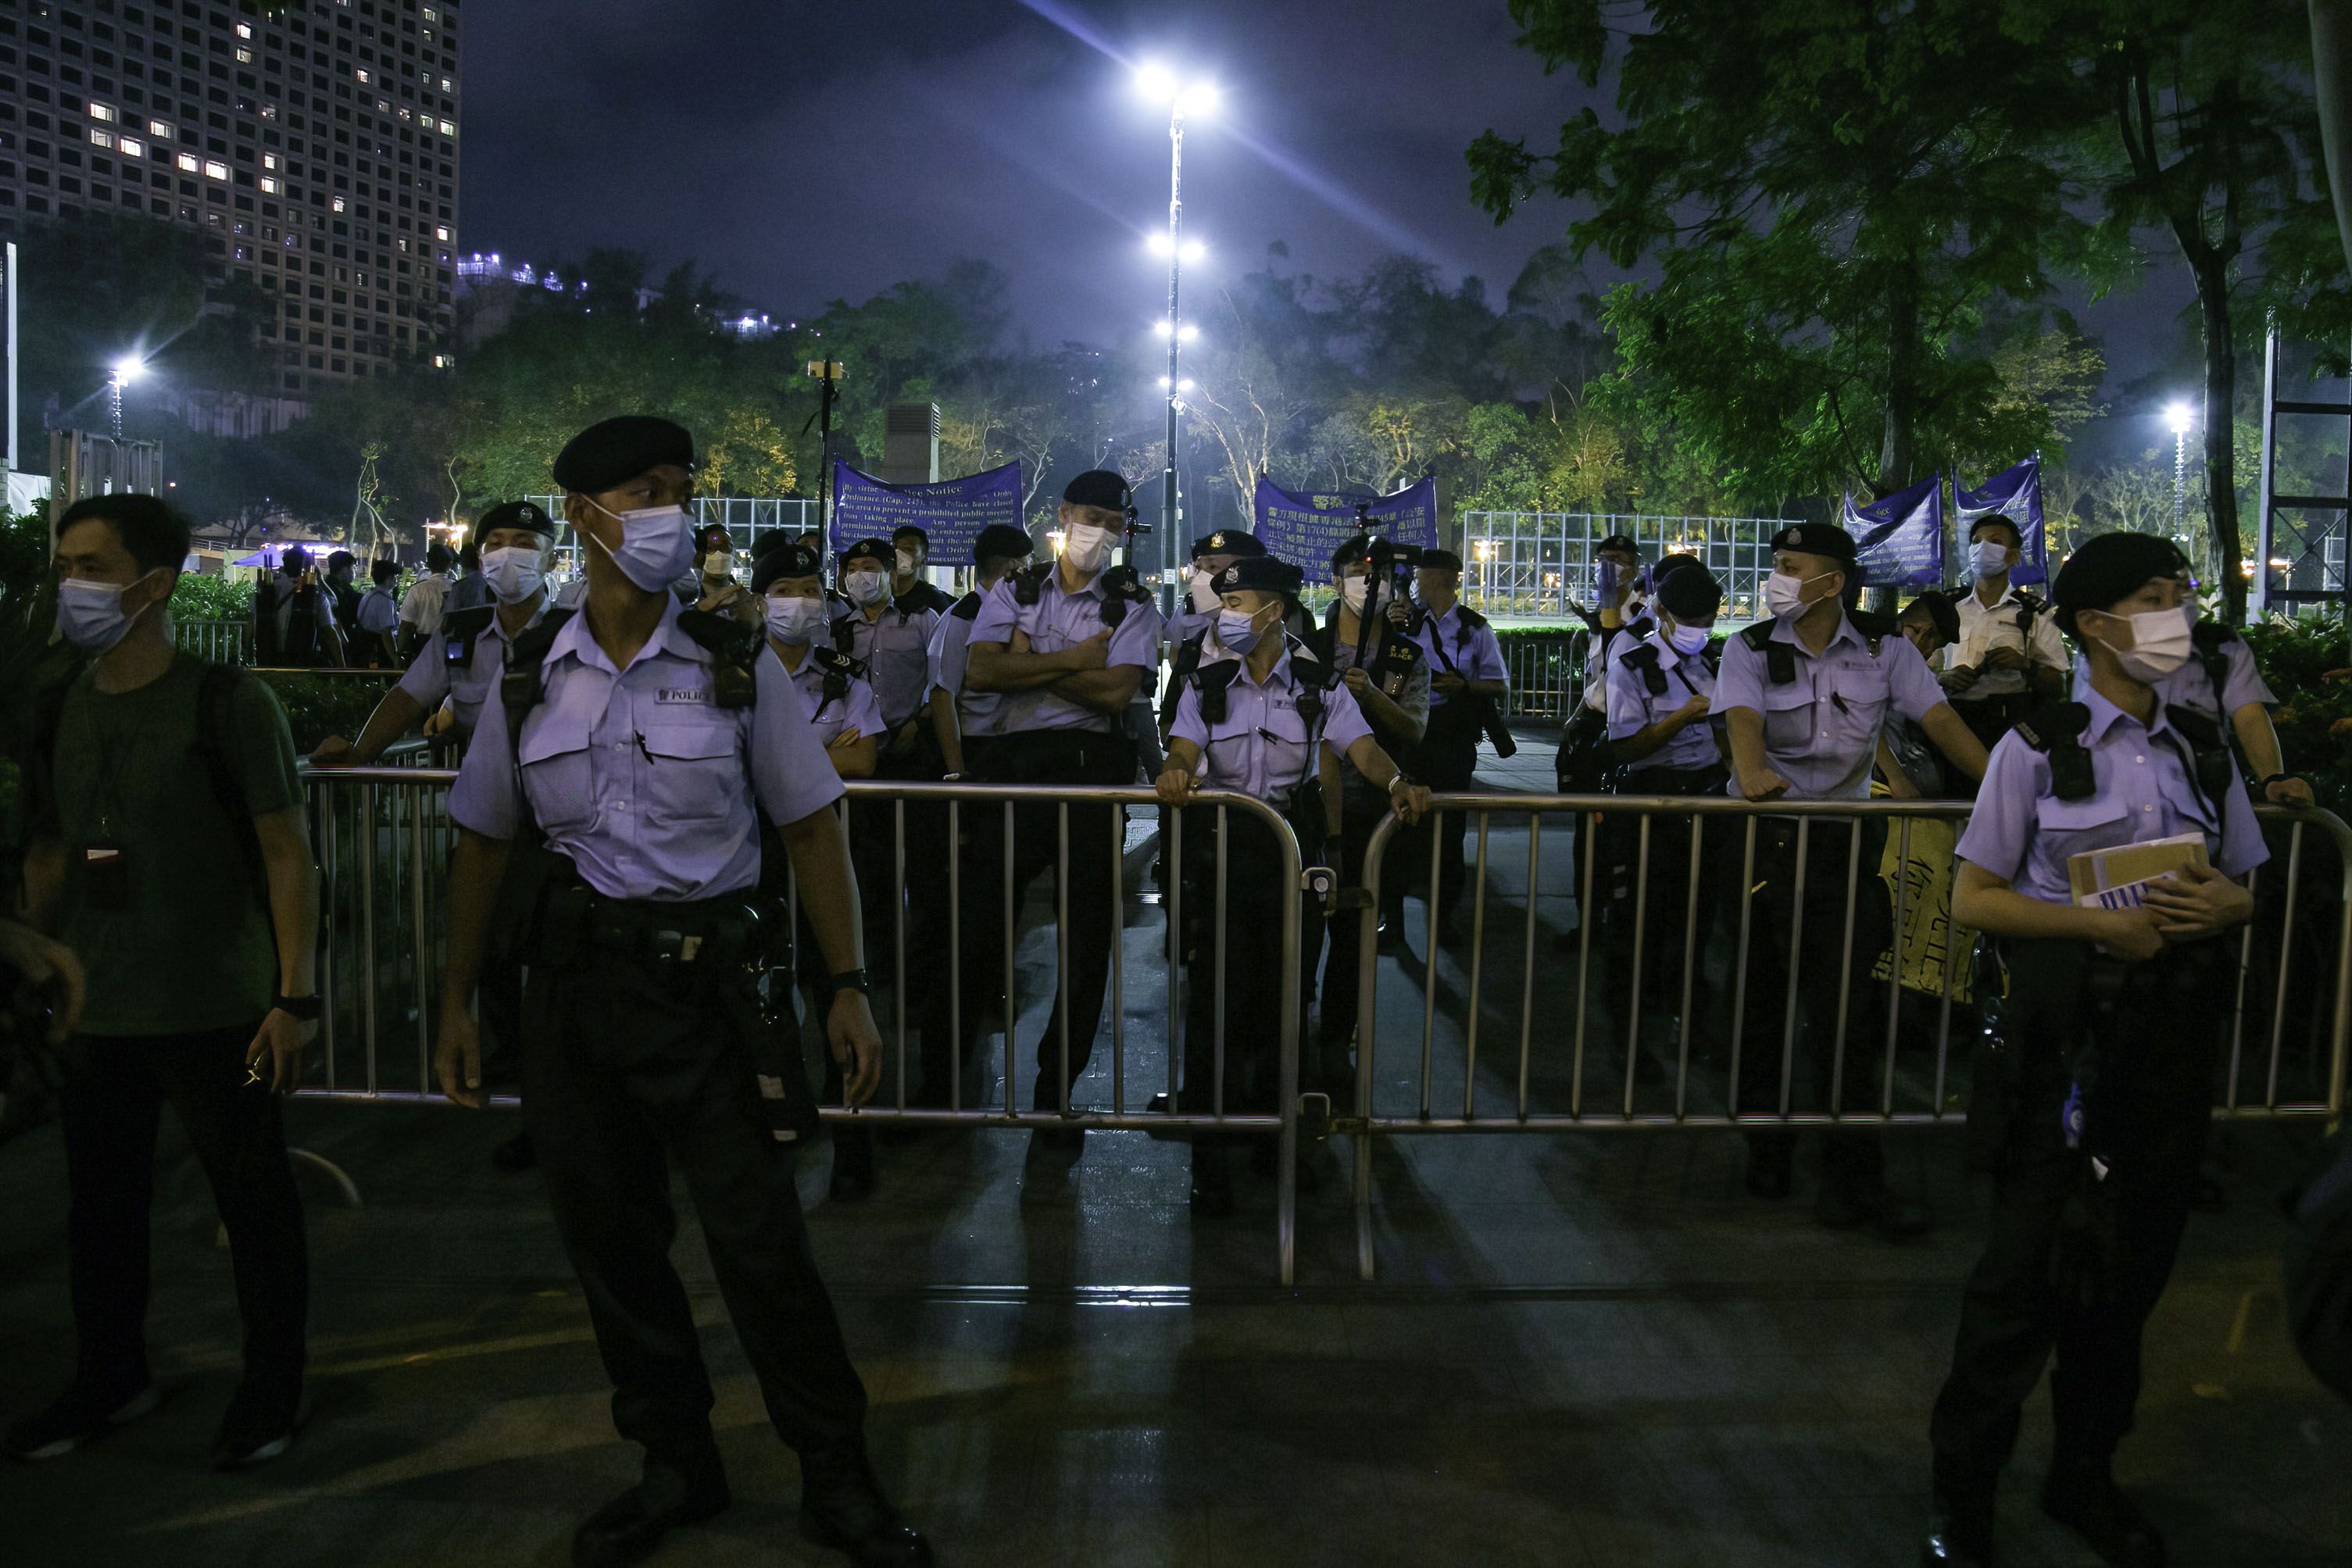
(169, 856)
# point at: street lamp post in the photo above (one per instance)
(2179, 416)
(1161, 87)
(128, 368)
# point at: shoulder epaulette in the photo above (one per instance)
(968, 607)
(1121, 588)
(2056, 732)
(1758, 636)
(1029, 580)
(734, 649)
(835, 659)
(1643, 657)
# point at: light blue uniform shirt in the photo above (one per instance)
(978, 714)
(1821, 729)
(1061, 620)
(474, 589)
(1262, 748)
(896, 650)
(1633, 708)
(429, 679)
(1473, 653)
(856, 708)
(638, 777)
(378, 610)
(2190, 687)
(2022, 832)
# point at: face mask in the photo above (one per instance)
(1354, 591)
(1087, 546)
(1205, 592)
(2161, 642)
(1784, 592)
(90, 614)
(1687, 639)
(514, 573)
(863, 588)
(906, 562)
(1990, 557)
(795, 620)
(657, 544)
(1238, 630)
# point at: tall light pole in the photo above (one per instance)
(128, 368)
(1161, 87)
(2178, 417)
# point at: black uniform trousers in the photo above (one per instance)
(1618, 882)
(1847, 1154)
(2072, 1264)
(115, 1090)
(1046, 757)
(1446, 761)
(1362, 808)
(633, 1064)
(1252, 961)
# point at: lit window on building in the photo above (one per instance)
(159, 127)
(187, 163)
(101, 112)
(101, 139)
(215, 170)
(132, 147)
(270, 185)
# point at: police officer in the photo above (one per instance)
(1189, 643)
(2220, 681)
(2007, 659)
(1803, 696)
(1365, 641)
(618, 772)
(1908, 763)
(1662, 740)
(1264, 723)
(1071, 638)
(1466, 678)
(891, 638)
(2098, 1118)
(910, 552)
(788, 579)
(974, 718)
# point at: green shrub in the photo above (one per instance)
(202, 598)
(319, 705)
(2308, 665)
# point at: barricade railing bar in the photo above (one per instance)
(2284, 968)
(384, 838)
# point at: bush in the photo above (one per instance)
(2308, 665)
(205, 598)
(319, 705)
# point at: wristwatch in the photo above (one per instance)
(847, 981)
(302, 1010)
(1399, 781)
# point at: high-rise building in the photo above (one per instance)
(314, 145)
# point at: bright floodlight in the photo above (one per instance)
(1184, 385)
(1160, 328)
(1156, 243)
(2178, 417)
(1155, 82)
(1164, 383)
(1187, 333)
(1199, 98)
(1192, 249)
(129, 369)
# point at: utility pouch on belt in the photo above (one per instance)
(534, 871)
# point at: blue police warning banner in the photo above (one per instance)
(953, 512)
(2016, 494)
(1304, 528)
(1899, 541)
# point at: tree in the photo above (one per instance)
(1832, 197)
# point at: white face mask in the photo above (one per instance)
(906, 563)
(1784, 592)
(90, 614)
(1354, 591)
(1086, 547)
(657, 544)
(863, 588)
(1687, 639)
(1988, 557)
(1204, 595)
(513, 573)
(795, 620)
(2161, 642)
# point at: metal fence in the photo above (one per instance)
(384, 840)
(1531, 565)
(2294, 977)
(1546, 672)
(221, 641)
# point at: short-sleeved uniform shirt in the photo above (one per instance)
(854, 708)
(379, 611)
(2191, 687)
(980, 715)
(1411, 694)
(1457, 648)
(638, 777)
(1821, 729)
(1633, 707)
(1263, 747)
(2022, 832)
(128, 772)
(431, 680)
(1062, 620)
(896, 649)
(422, 606)
(2004, 624)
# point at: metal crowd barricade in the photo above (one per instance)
(2292, 993)
(383, 840)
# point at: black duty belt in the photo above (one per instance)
(708, 934)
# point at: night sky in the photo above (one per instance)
(810, 151)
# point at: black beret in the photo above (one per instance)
(1622, 542)
(1817, 539)
(1233, 542)
(1671, 563)
(1355, 549)
(1260, 574)
(784, 560)
(2000, 518)
(1001, 541)
(511, 515)
(878, 550)
(1443, 559)
(617, 450)
(1690, 593)
(1100, 487)
(2112, 567)
(1940, 608)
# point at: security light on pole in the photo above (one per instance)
(1161, 86)
(128, 368)
(2179, 418)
